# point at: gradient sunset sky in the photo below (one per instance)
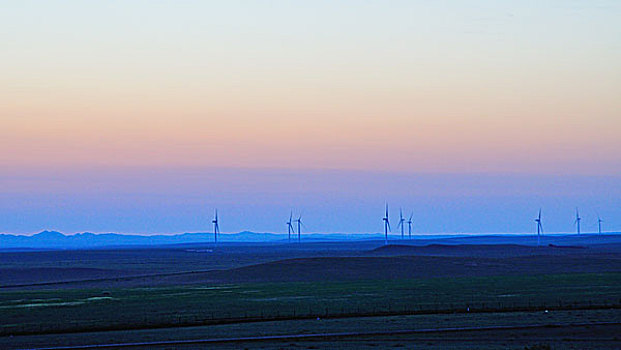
(144, 116)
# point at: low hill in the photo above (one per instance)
(356, 268)
(15, 276)
(474, 250)
(370, 268)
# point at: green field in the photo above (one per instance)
(565, 297)
(519, 338)
(45, 311)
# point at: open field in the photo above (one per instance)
(517, 328)
(205, 264)
(339, 269)
(28, 312)
(186, 293)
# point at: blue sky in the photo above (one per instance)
(143, 116)
(175, 201)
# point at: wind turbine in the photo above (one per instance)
(577, 222)
(599, 224)
(539, 227)
(410, 225)
(299, 221)
(401, 222)
(386, 226)
(216, 228)
(290, 226)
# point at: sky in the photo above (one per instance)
(144, 116)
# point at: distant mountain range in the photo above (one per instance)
(57, 240)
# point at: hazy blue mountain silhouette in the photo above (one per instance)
(57, 240)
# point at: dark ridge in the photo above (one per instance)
(566, 246)
(369, 268)
(364, 268)
(404, 247)
(509, 249)
(9, 276)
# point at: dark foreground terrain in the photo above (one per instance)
(446, 293)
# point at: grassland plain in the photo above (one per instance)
(63, 265)
(44, 311)
(87, 297)
(604, 337)
(545, 338)
(351, 268)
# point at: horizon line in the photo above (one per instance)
(172, 234)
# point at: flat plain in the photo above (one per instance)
(339, 294)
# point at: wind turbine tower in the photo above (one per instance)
(577, 222)
(539, 227)
(599, 224)
(290, 226)
(216, 228)
(386, 226)
(410, 225)
(299, 221)
(401, 223)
